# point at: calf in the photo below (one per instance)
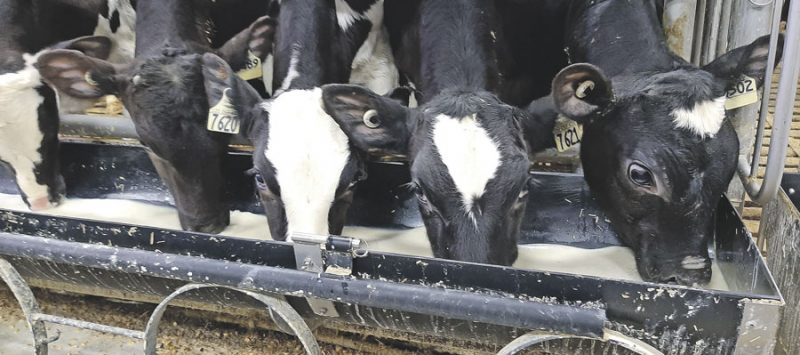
(28, 110)
(657, 151)
(304, 168)
(163, 91)
(467, 157)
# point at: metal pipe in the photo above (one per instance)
(95, 126)
(710, 44)
(75, 323)
(448, 303)
(784, 104)
(766, 87)
(699, 30)
(724, 26)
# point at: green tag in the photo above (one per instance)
(567, 133)
(252, 69)
(222, 116)
(744, 92)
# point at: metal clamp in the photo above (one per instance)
(332, 255)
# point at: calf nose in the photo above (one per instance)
(41, 203)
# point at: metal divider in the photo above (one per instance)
(787, 89)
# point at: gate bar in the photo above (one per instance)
(784, 104)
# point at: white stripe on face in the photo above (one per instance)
(704, 119)
(20, 137)
(292, 73)
(468, 152)
(308, 151)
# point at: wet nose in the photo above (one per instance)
(212, 226)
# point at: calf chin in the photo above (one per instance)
(688, 271)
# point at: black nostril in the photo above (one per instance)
(671, 280)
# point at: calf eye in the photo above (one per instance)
(640, 175)
(260, 183)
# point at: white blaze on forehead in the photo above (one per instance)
(704, 119)
(468, 152)
(308, 151)
(693, 262)
(20, 137)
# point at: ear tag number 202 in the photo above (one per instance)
(742, 93)
(567, 133)
(222, 117)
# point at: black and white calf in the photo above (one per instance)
(28, 108)
(163, 91)
(467, 155)
(657, 150)
(304, 168)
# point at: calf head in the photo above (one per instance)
(164, 95)
(29, 119)
(304, 169)
(468, 164)
(658, 154)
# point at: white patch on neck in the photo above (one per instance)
(123, 41)
(292, 73)
(308, 151)
(20, 137)
(373, 65)
(704, 119)
(468, 152)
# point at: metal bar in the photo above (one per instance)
(76, 323)
(766, 87)
(533, 338)
(110, 127)
(441, 302)
(748, 21)
(710, 43)
(699, 30)
(27, 302)
(296, 324)
(724, 26)
(784, 104)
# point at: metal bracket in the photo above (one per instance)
(759, 327)
(332, 255)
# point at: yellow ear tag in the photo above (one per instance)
(742, 93)
(222, 116)
(567, 133)
(252, 69)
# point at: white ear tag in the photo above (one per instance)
(567, 133)
(252, 69)
(742, 93)
(222, 116)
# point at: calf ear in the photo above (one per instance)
(373, 123)
(219, 77)
(581, 91)
(94, 46)
(77, 74)
(750, 60)
(257, 39)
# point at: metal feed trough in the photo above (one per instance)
(336, 282)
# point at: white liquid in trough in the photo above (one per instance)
(609, 262)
